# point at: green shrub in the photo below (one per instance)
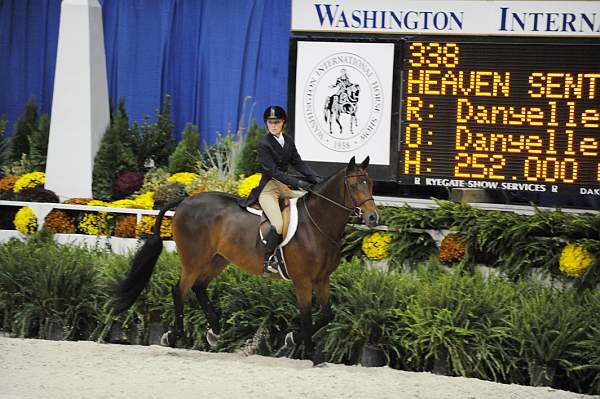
(115, 156)
(248, 163)
(167, 193)
(4, 144)
(211, 180)
(155, 141)
(248, 303)
(43, 283)
(367, 304)
(38, 143)
(187, 153)
(544, 329)
(458, 318)
(24, 126)
(153, 179)
(488, 328)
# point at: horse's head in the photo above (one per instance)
(360, 188)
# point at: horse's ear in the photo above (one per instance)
(351, 164)
(365, 163)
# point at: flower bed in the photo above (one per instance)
(553, 244)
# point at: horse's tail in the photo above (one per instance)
(127, 291)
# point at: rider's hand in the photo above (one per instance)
(318, 179)
(303, 185)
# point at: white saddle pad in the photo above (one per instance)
(293, 220)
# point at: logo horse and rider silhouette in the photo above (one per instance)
(344, 101)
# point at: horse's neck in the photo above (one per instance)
(330, 218)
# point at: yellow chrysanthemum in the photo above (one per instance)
(25, 221)
(375, 246)
(96, 223)
(123, 203)
(144, 228)
(248, 184)
(29, 180)
(144, 201)
(574, 260)
(183, 178)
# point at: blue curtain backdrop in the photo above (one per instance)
(208, 55)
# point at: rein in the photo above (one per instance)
(356, 207)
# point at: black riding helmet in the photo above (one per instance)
(274, 112)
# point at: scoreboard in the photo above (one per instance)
(501, 115)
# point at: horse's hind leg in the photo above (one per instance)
(189, 274)
(170, 338)
(218, 263)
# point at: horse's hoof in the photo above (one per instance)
(288, 346)
(309, 356)
(284, 351)
(167, 339)
(320, 357)
(212, 338)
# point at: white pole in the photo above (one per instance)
(80, 112)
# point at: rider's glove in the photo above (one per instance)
(303, 185)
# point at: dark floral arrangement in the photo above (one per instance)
(127, 184)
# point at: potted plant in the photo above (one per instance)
(543, 331)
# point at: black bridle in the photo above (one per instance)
(355, 207)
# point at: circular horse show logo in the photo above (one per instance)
(343, 101)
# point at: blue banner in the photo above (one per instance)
(208, 56)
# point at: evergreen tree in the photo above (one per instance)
(248, 163)
(26, 124)
(4, 147)
(187, 152)
(3, 125)
(129, 136)
(116, 155)
(156, 143)
(38, 144)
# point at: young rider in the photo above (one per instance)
(276, 152)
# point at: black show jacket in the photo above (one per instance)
(275, 161)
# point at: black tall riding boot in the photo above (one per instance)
(271, 262)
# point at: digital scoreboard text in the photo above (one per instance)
(507, 116)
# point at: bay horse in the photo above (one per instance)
(211, 231)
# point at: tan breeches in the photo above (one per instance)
(269, 201)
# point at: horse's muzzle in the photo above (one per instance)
(371, 219)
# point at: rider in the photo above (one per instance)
(342, 82)
(276, 151)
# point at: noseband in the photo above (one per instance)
(355, 207)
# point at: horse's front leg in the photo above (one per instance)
(304, 298)
(323, 294)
